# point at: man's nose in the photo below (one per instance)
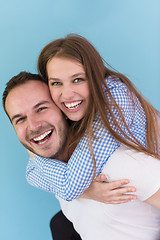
(33, 123)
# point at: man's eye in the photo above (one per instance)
(20, 120)
(78, 80)
(41, 109)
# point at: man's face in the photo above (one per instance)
(39, 124)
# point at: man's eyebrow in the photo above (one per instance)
(74, 75)
(40, 103)
(15, 116)
(34, 107)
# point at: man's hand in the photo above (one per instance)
(31, 153)
(109, 193)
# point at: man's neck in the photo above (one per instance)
(63, 154)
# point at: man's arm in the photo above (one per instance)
(141, 169)
(154, 200)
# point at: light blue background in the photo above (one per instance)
(125, 32)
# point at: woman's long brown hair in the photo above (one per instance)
(78, 48)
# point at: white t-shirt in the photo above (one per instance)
(135, 220)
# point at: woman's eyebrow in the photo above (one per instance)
(74, 75)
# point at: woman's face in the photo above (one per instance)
(68, 86)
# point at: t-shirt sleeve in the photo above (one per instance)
(142, 171)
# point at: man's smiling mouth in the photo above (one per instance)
(43, 137)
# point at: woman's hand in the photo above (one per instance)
(31, 153)
(109, 193)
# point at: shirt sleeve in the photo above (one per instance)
(72, 179)
(131, 108)
(35, 177)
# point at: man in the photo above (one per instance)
(39, 124)
(44, 135)
(41, 128)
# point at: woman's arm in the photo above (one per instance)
(111, 193)
(72, 179)
(35, 177)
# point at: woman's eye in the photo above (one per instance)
(78, 80)
(55, 83)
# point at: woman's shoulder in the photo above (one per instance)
(116, 87)
(114, 82)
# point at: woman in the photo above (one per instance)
(112, 113)
(107, 116)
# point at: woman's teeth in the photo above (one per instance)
(72, 105)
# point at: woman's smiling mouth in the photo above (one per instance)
(72, 105)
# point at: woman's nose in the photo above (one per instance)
(67, 92)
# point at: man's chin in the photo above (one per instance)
(36, 151)
(45, 154)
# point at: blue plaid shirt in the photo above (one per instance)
(70, 180)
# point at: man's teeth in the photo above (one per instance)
(42, 142)
(41, 137)
(73, 105)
